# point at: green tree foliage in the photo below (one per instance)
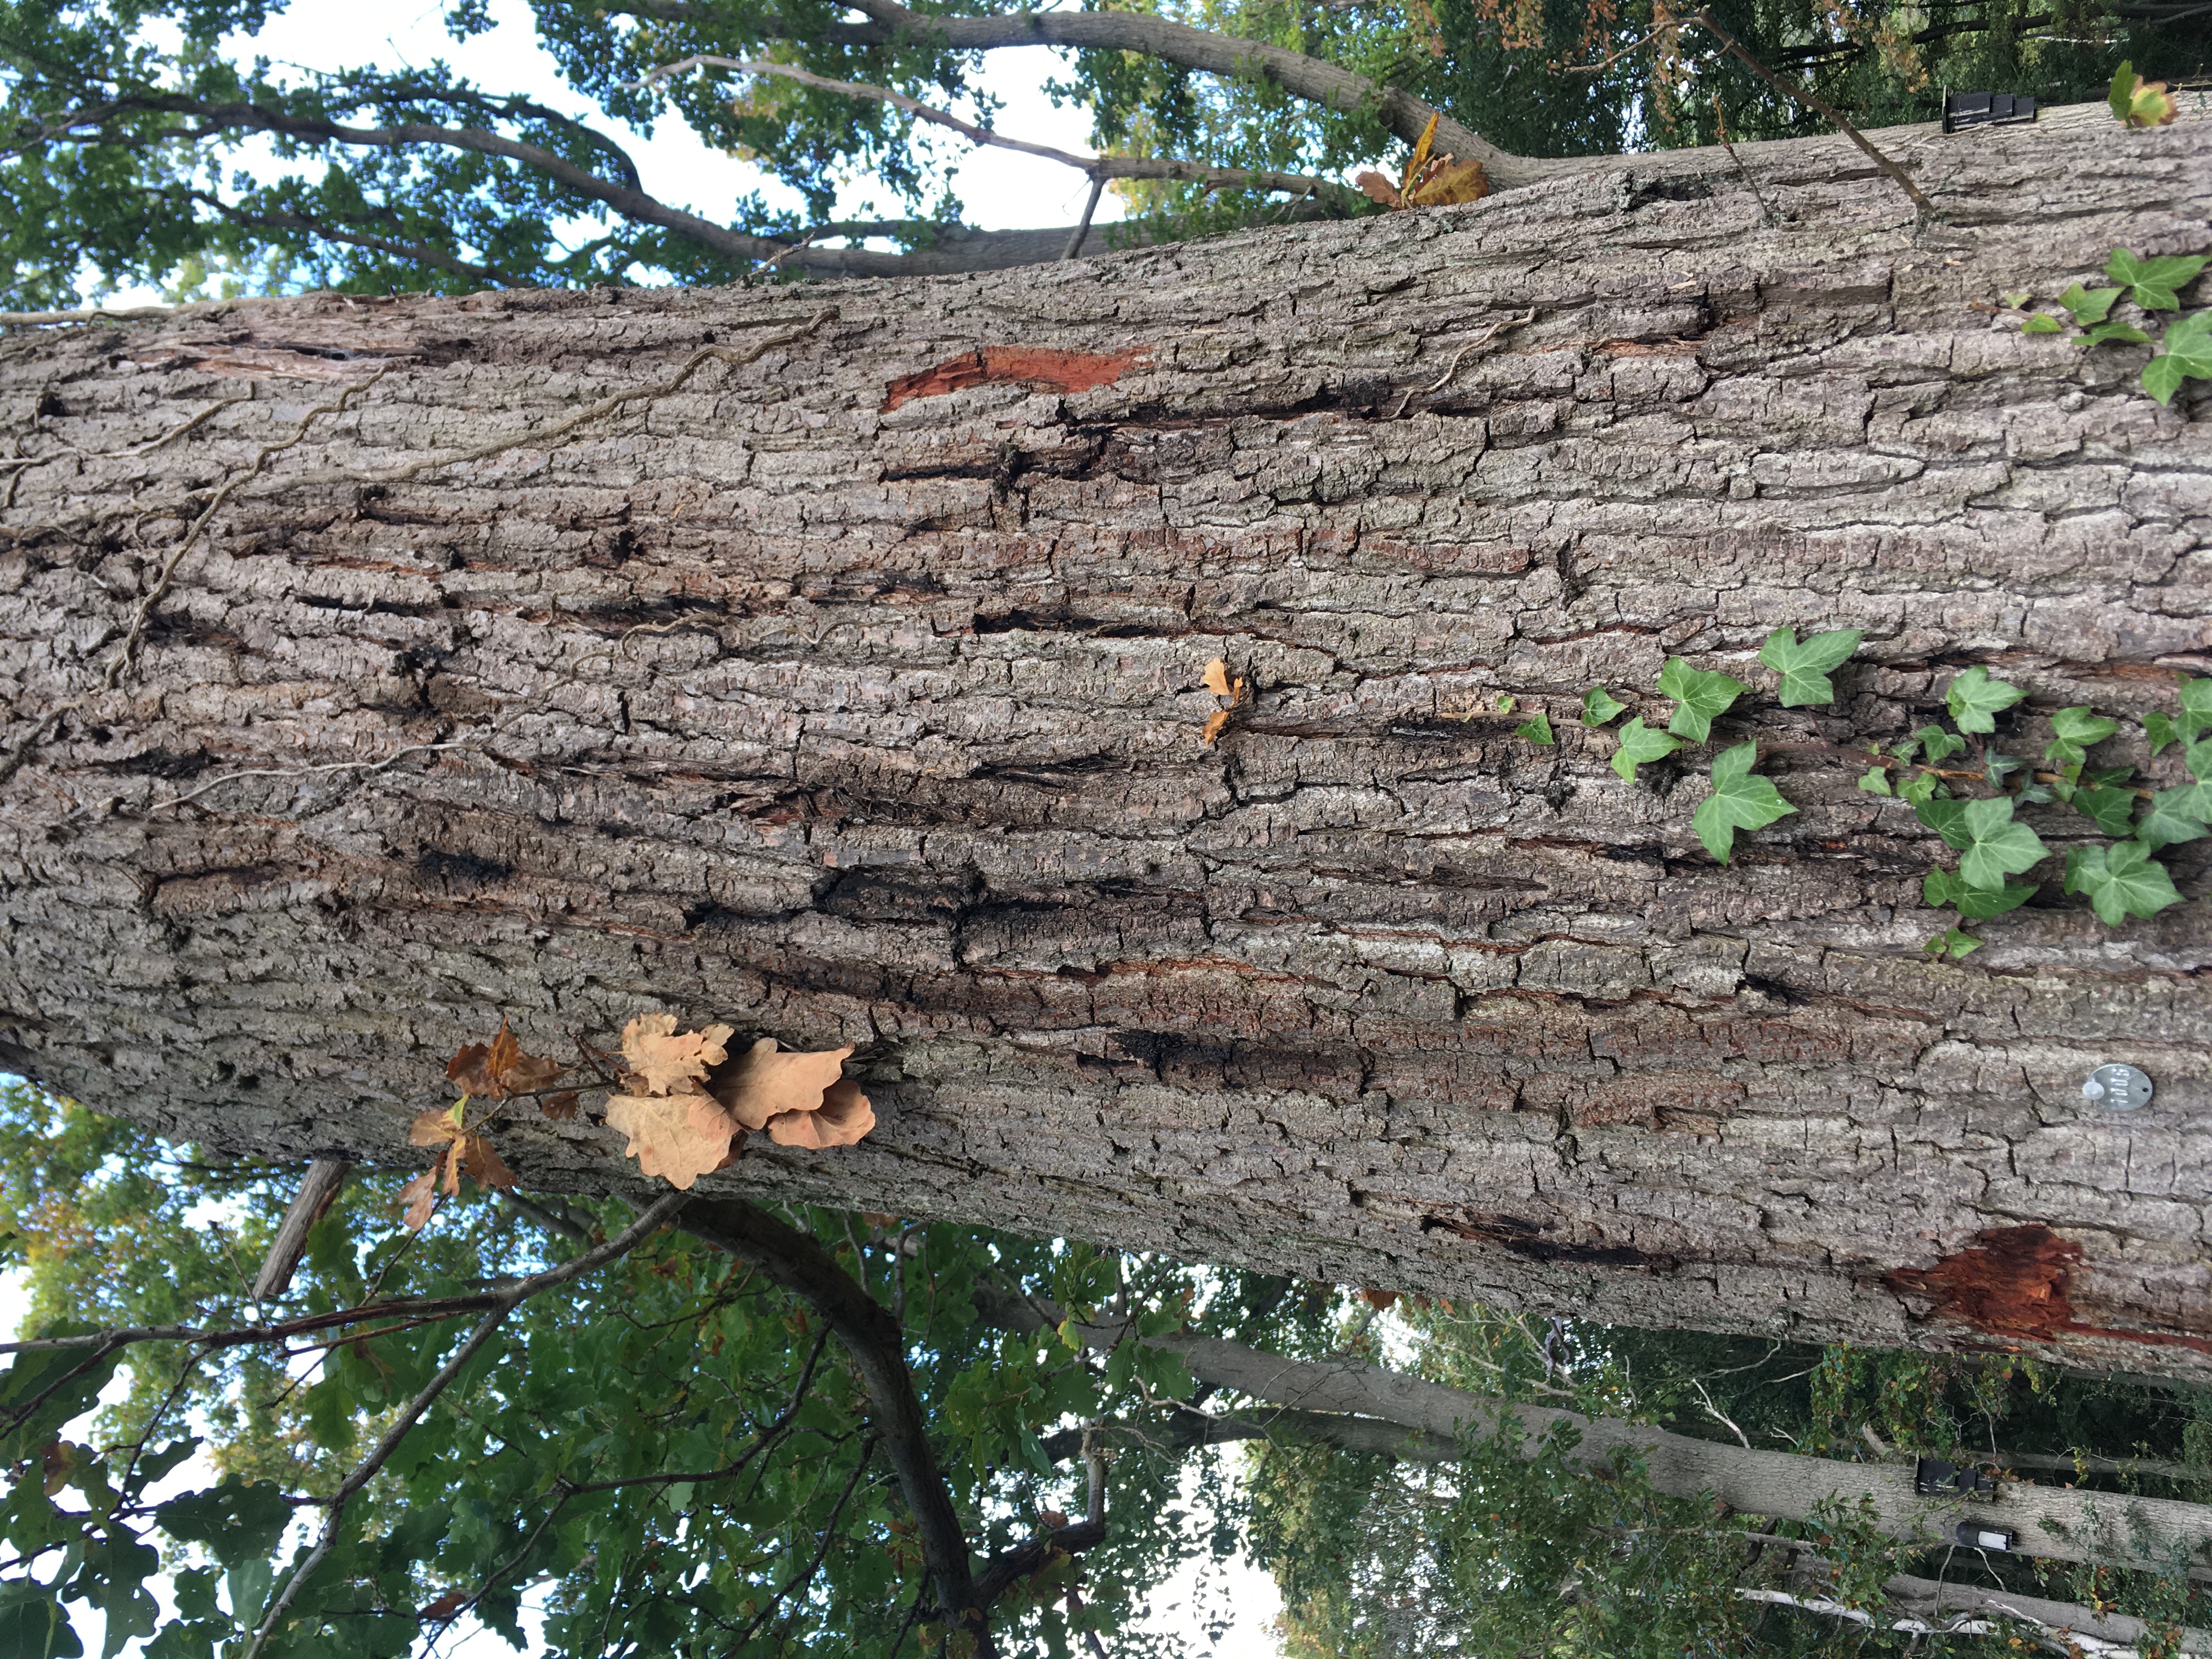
(127, 120)
(670, 1456)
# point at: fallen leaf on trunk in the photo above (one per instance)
(667, 1062)
(842, 1120)
(677, 1137)
(1217, 677)
(763, 1083)
(1214, 723)
(500, 1068)
(1429, 180)
(560, 1108)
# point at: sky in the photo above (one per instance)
(1000, 189)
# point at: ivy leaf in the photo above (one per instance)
(1951, 940)
(1903, 751)
(2175, 816)
(1703, 697)
(2112, 810)
(1804, 665)
(1599, 706)
(2121, 881)
(2161, 730)
(2112, 333)
(1947, 818)
(1639, 743)
(2154, 284)
(2016, 300)
(2195, 707)
(1739, 801)
(1537, 731)
(1920, 789)
(1975, 903)
(2088, 305)
(1996, 847)
(2138, 103)
(1996, 768)
(2188, 355)
(1940, 745)
(2041, 323)
(1975, 699)
(2075, 731)
(2198, 758)
(1875, 781)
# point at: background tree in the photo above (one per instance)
(127, 118)
(680, 1454)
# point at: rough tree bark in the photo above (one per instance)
(851, 694)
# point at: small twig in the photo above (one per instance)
(1805, 95)
(1720, 128)
(1083, 229)
(649, 1222)
(1718, 1414)
(1445, 379)
(318, 1190)
(805, 1576)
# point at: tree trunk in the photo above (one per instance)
(851, 694)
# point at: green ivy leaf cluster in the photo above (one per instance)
(2120, 881)
(2150, 285)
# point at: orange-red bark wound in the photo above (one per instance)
(1046, 370)
(2013, 1285)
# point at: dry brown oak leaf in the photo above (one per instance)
(678, 1138)
(667, 1062)
(464, 1152)
(842, 1119)
(763, 1084)
(501, 1069)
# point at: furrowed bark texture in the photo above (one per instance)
(851, 694)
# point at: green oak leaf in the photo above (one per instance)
(1952, 939)
(2175, 816)
(2112, 810)
(1940, 745)
(1975, 903)
(1702, 697)
(1804, 665)
(2155, 284)
(1875, 781)
(1995, 846)
(2188, 355)
(2121, 881)
(1639, 743)
(1739, 801)
(2042, 324)
(2088, 305)
(1600, 706)
(1536, 729)
(1975, 699)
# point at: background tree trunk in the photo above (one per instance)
(851, 694)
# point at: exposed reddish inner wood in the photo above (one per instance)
(1054, 371)
(2014, 1284)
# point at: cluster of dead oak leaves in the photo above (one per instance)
(685, 1103)
(1429, 180)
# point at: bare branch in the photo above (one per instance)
(318, 1190)
(1099, 166)
(1300, 75)
(650, 1221)
(790, 1260)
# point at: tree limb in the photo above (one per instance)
(1099, 167)
(318, 1190)
(789, 1259)
(650, 1220)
